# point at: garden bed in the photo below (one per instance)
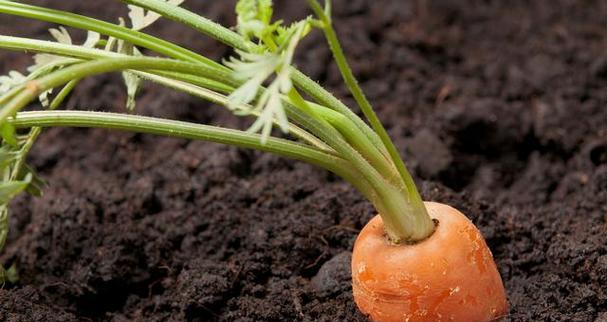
(504, 102)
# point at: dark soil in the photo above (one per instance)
(498, 107)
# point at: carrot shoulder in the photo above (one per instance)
(451, 276)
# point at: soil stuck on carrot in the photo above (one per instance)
(158, 229)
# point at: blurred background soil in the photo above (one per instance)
(498, 108)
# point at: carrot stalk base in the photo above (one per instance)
(451, 276)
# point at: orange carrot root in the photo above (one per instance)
(451, 276)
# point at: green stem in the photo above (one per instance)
(141, 39)
(310, 87)
(349, 131)
(360, 142)
(82, 22)
(186, 130)
(56, 48)
(327, 99)
(35, 131)
(401, 220)
(335, 140)
(233, 39)
(199, 81)
(214, 97)
(400, 215)
(195, 21)
(414, 197)
(33, 88)
(167, 79)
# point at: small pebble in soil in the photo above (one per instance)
(334, 276)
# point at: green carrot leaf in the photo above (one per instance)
(132, 81)
(61, 35)
(10, 189)
(140, 18)
(254, 18)
(285, 34)
(36, 184)
(13, 79)
(255, 69)
(7, 131)
(3, 233)
(92, 39)
(7, 156)
(46, 63)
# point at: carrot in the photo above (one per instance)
(404, 268)
(450, 276)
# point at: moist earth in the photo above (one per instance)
(498, 108)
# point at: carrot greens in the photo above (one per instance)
(258, 81)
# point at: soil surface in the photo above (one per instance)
(497, 106)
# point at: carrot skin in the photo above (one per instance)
(451, 276)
